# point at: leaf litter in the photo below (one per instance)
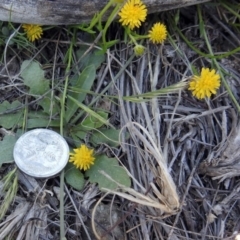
(181, 153)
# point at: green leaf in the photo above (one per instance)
(33, 77)
(85, 82)
(78, 137)
(40, 119)
(91, 122)
(49, 105)
(42, 123)
(106, 136)
(95, 57)
(6, 149)
(107, 45)
(177, 17)
(79, 134)
(91, 112)
(74, 177)
(110, 167)
(12, 119)
(194, 70)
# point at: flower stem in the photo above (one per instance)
(63, 100)
(109, 21)
(202, 29)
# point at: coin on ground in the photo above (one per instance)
(41, 153)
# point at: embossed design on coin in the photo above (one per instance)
(41, 153)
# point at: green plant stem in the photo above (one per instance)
(135, 98)
(98, 18)
(230, 9)
(201, 24)
(63, 100)
(220, 56)
(109, 21)
(133, 39)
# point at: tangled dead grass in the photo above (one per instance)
(182, 154)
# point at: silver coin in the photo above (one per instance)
(41, 153)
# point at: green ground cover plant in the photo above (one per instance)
(71, 105)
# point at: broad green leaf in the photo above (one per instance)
(91, 112)
(12, 119)
(106, 136)
(40, 119)
(33, 77)
(108, 166)
(74, 177)
(85, 81)
(6, 149)
(91, 122)
(95, 57)
(77, 138)
(49, 105)
(79, 134)
(42, 123)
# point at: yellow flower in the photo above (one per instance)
(158, 33)
(206, 84)
(133, 13)
(139, 50)
(33, 32)
(82, 157)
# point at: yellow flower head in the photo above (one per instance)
(206, 84)
(158, 33)
(139, 50)
(33, 32)
(133, 13)
(82, 157)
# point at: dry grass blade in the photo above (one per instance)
(158, 166)
(13, 220)
(181, 153)
(228, 165)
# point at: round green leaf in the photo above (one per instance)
(74, 177)
(104, 167)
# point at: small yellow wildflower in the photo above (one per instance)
(33, 32)
(133, 13)
(82, 157)
(139, 50)
(206, 84)
(158, 33)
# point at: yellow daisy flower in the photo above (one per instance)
(139, 50)
(206, 84)
(82, 157)
(158, 33)
(133, 13)
(33, 32)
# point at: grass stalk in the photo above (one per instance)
(63, 100)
